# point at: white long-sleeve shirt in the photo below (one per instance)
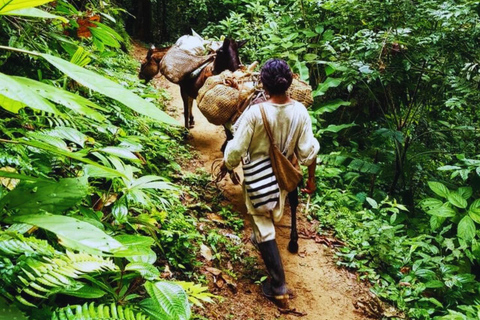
(292, 131)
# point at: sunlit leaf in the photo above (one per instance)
(457, 200)
(109, 88)
(466, 228)
(35, 13)
(19, 95)
(9, 5)
(439, 188)
(72, 233)
(70, 100)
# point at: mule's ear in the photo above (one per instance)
(226, 43)
(150, 51)
(241, 43)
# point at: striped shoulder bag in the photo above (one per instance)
(261, 185)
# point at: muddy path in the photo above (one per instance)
(322, 290)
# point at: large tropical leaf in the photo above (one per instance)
(48, 196)
(70, 100)
(72, 233)
(15, 95)
(109, 88)
(34, 13)
(167, 301)
(9, 5)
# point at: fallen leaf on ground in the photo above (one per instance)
(206, 252)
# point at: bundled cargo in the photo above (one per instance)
(179, 63)
(300, 91)
(222, 95)
(187, 55)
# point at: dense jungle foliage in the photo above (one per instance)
(397, 94)
(86, 147)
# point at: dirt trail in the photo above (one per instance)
(322, 290)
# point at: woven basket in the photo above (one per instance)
(221, 95)
(301, 91)
(178, 63)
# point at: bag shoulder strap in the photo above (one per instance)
(266, 125)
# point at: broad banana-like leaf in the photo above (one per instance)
(15, 95)
(9, 5)
(49, 196)
(70, 100)
(72, 233)
(109, 88)
(34, 13)
(168, 301)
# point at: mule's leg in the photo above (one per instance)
(229, 135)
(190, 112)
(293, 200)
(186, 109)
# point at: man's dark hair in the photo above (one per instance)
(276, 76)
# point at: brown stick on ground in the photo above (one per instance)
(292, 311)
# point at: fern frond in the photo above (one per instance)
(94, 312)
(15, 244)
(41, 279)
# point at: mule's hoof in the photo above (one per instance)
(293, 246)
(191, 126)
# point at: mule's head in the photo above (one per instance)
(227, 56)
(150, 67)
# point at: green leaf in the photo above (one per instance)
(457, 200)
(49, 196)
(146, 270)
(372, 202)
(34, 13)
(72, 233)
(168, 301)
(9, 5)
(433, 284)
(69, 100)
(73, 155)
(15, 95)
(121, 153)
(85, 292)
(465, 192)
(9, 311)
(109, 88)
(466, 228)
(474, 211)
(69, 134)
(336, 128)
(302, 69)
(439, 188)
(323, 87)
(309, 57)
(330, 106)
(431, 203)
(443, 211)
(13, 175)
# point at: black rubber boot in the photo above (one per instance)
(276, 287)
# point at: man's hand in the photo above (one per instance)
(310, 186)
(223, 171)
